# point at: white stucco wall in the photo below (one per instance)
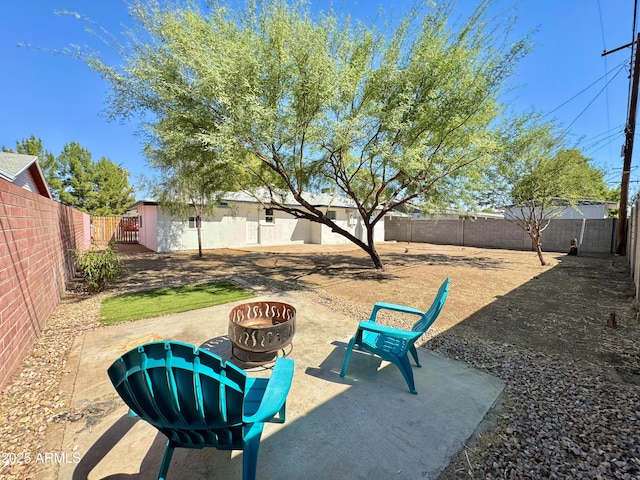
(584, 211)
(240, 225)
(349, 220)
(284, 230)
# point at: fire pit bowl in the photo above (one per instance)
(259, 330)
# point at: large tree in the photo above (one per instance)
(540, 177)
(307, 100)
(112, 193)
(76, 171)
(97, 188)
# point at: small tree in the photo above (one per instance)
(190, 180)
(539, 177)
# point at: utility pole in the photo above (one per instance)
(629, 130)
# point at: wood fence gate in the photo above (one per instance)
(119, 229)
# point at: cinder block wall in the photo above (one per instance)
(597, 236)
(37, 239)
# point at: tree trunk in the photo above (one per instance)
(370, 248)
(538, 243)
(199, 228)
(375, 257)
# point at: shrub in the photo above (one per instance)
(99, 267)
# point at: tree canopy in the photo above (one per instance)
(537, 177)
(303, 100)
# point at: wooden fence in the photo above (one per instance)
(117, 229)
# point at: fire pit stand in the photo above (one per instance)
(260, 330)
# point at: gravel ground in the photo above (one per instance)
(36, 402)
(561, 416)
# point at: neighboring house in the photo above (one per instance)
(584, 209)
(241, 220)
(443, 214)
(24, 171)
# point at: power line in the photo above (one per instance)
(600, 144)
(617, 128)
(619, 67)
(593, 100)
(604, 47)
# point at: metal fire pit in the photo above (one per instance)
(259, 330)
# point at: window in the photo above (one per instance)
(268, 215)
(194, 223)
(331, 214)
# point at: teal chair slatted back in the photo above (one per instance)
(430, 315)
(163, 382)
(197, 400)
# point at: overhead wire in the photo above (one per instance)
(596, 147)
(594, 98)
(603, 137)
(604, 47)
(619, 66)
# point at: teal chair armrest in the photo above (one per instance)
(395, 332)
(394, 308)
(275, 394)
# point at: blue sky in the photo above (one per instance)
(60, 100)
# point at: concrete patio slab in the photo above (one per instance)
(364, 426)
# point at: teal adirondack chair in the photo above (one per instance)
(393, 344)
(197, 400)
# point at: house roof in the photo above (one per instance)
(325, 199)
(12, 164)
(14, 168)
(607, 203)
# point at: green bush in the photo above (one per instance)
(99, 267)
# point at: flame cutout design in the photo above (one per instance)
(262, 327)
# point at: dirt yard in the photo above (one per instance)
(570, 405)
(561, 309)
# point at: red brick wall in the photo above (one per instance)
(37, 239)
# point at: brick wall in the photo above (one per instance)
(37, 238)
(496, 233)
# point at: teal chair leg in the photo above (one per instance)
(166, 460)
(414, 354)
(405, 368)
(250, 451)
(347, 355)
(282, 414)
